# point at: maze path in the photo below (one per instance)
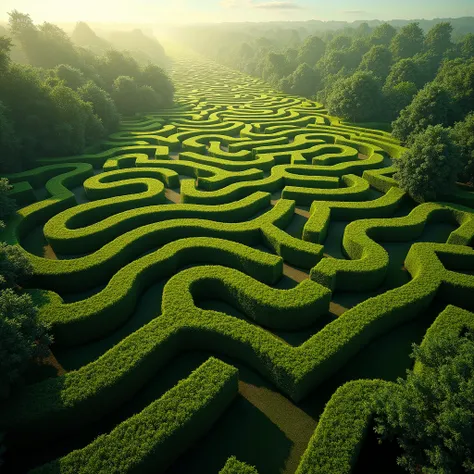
(219, 216)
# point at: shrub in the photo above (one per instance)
(356, 98)
(23, 337)
(150, 440)
(431, 165)
(430, 412)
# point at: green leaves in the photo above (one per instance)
(430, 413)
(431, 166)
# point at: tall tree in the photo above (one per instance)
(408, 41)
(438, 39)
(378, 61)
(312, 51)
(303, 81)
(357, 98)
(431, 165)
(463, 136)
(430, 412)
(406, 70)
(431, 106)
(383, 35)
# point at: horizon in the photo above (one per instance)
(236, 11)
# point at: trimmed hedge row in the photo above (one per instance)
(355, 189)
(98, 159)
(234, 466)
(321, 213)
(118, 236)
(68, 401)
(342, 429)
(98, 315)
(152, 439)
(292, 309)
(369, 260)
(88, 238)
(93, 269)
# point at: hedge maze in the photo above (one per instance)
(228, 283)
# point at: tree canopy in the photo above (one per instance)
(430, 412)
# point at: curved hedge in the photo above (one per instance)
(226, 196)
(150, 440)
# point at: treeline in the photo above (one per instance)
(405, 80)
(68, 97)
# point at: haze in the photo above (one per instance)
(191, 11)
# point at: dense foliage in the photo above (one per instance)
(430, 412)
(22, 335)
(316, 62)
(430, 167)
(67, 98)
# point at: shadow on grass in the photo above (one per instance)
(148, 308)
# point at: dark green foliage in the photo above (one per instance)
(438, 39)
(408, 41)
(102, 105)
(114, 64)
(431, 165)
(75, 124)
(356, 98)
(275, 67)
(457, 78)
(378, 61)
(234, 466)
(430, 412)
(9, 143)
(15, 267)
(23, 337)
(463, 136)
(311, 51)
(155, 77)
(466, 46)
(68, 75)
(152, 439)
(5, 48)
(398, 97)
(62, 110)
(405, 70)
(303, 81)
(126, 95)
(342, 429)
(383, 35)
(7, 205)
(431, 106)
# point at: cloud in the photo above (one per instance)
(278, 6)
(270, 5)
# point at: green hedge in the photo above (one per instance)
(234, 466)
(95, 268)
(342, 429)
(152, 439)
(355, 189)
(368, 264)
(88, 238)
(321, 213)
(98, 315)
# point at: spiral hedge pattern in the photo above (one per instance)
(242, 235)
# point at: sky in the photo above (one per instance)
(192, 11)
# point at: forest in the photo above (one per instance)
(72, 90)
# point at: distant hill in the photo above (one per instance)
(144, 48)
